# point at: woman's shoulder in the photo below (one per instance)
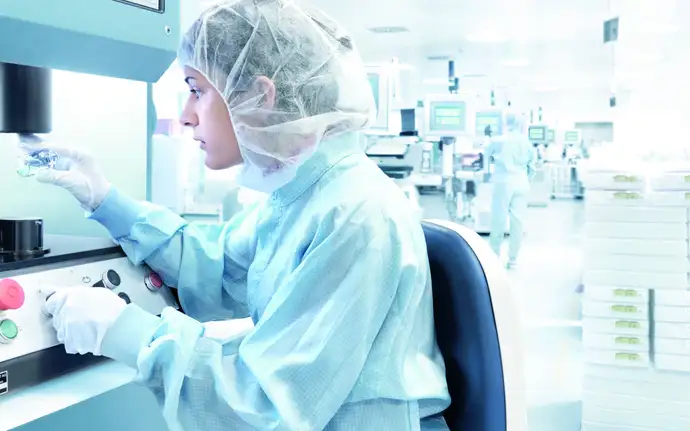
(367, 215)
(360, 195)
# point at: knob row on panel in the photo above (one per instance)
(12, 297)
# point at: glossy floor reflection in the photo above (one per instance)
(545, 285)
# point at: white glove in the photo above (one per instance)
(227, 330)
(82, 316)
(75, 171)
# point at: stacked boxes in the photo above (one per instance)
(636, 304)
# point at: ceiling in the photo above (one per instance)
(531, 48)
(541, 43)
(561, 40)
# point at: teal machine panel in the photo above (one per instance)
(134, 40)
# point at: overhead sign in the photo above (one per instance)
(611, 30)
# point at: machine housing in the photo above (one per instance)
(34, 354)
(125, 39)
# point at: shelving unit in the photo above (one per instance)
(636, 302)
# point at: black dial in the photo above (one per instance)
(112, 277)
(124, 296)
(109, 279)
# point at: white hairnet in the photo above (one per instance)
(514, 122)
(321, 86)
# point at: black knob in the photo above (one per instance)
(113, 277)
(124, 296)
(110, 279)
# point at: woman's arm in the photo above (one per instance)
(207, 263)
(298, 366)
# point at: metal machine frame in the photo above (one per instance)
(126, 39)
(120, 39)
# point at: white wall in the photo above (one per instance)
(563, 106)
(107, 117)
(578, 96)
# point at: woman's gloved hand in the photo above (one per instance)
(82, 316)
(76, 171)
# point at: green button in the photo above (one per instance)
(8, 329)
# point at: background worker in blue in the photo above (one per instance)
(513, 158)
(332, 267)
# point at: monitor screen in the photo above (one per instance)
(550, 135)
(537, 133)
(407, 120)
(491, 119)
(447, 116)
(572, 136)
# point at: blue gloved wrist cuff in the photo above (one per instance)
(132, 331)
(117, 213)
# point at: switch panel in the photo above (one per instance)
(25, 329)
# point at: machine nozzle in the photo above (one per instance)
(25, 99)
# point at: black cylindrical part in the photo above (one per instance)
(21, 236)
(25, 99)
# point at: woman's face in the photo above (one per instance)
(207, 114)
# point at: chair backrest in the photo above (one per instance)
(466, 333)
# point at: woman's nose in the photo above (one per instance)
(188, 117)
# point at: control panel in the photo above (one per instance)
(25, 329)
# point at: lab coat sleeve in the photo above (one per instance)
(207, 263)
(297, 367)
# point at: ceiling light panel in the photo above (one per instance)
(389, 30)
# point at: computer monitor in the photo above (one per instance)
(537, 133)
(571, 137)
(550, 135)
(491, 118)
(407, 121)
(446, 117)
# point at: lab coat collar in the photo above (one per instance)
(330, 151)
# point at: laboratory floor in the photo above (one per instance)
(545, 286)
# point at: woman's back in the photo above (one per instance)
(344, 222)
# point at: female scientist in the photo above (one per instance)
(332, 268)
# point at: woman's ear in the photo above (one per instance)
(264, 85)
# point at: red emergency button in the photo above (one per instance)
(11, 295)
(153, 281)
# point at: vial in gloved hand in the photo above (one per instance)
(35, 161)
(31, 161)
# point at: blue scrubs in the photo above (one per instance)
(513, 165)
(332, 269)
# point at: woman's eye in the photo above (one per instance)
(195, 92)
